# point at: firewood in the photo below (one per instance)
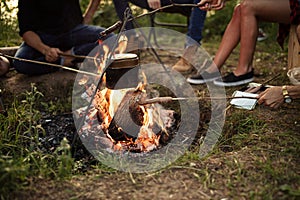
(128, 117)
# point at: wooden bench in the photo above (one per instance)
(293, 49)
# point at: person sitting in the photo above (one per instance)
(196, 23)
(50, 28)
(243, 29)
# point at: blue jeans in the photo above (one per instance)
(82, 40)
(196, 25)
(197, 16)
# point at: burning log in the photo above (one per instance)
(128, 117)
(131, 126)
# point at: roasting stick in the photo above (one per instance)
(168, 99)
(75, 56)
(256, 89)
(50, 64)
(162, 8)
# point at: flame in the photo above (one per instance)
(107, 101)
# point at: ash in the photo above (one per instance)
(57, 127)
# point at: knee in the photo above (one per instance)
(237, 11)
(246, 7)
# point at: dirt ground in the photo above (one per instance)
(257, 156)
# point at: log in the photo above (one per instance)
(128, 117)
(293, 48)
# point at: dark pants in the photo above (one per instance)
(81, 40)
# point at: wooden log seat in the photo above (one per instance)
(293, 49)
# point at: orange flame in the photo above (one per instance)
(107, 101)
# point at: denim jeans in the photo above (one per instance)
(82, 40)
(197, 16)
(196, 25)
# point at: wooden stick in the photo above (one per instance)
(168, 99)
(162, 8)
(50, 64)
(256, 89)
(76, 56)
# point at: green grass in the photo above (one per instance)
(21, 156)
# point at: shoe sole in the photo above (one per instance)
(218, 83)
(197, 82)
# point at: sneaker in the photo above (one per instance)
(233, 80)
(203, 77)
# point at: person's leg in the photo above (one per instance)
(30, 68)
(120, 7)
(243, 28)
(229, 41)
(251, 12)
(193, 37)
(196, 24)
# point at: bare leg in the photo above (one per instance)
(243, 28)
(229, 41)
(251, 12)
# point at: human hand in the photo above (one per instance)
(271, 97)
(211, 4)
(154, 4)
(52, 54)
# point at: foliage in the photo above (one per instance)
(8, 25)
(215, 23)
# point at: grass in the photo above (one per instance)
(21, 156)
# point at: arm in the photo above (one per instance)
(273, 96)
(90, 11)
(211, 4)
(33, 40)
(154, 4)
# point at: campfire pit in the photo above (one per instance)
(115, 112)
(117, 121)
(131, 126)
